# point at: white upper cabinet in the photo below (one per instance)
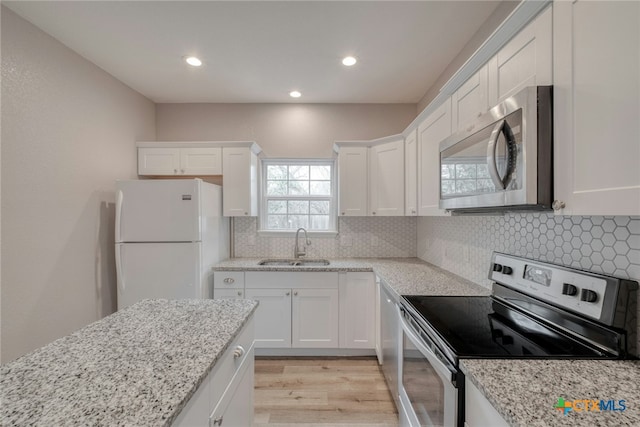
(240, 181)
(387, 179)
(353, 179)
(179, 161)
(596, 107)
(411, 174)
(470, 101)
(526, 60)
(435, 128)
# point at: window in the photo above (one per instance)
(298, 193)
(466, 177)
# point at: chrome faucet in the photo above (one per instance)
(297, 253)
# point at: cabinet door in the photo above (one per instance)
(239, 182)
(228, 293)
(526, 60)
(411, 174)
(201, 161)
(478, 411)
(357, 310)
(596, 107)
(314, 318)
(387, 179)
(158, 161)
(352, 180)
(235, 407)
(470, 101)
(272, 317)
(431, 131)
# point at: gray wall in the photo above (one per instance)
(282, 130)
(68, 131)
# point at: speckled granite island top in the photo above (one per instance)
(525, 392)
(405, 276)
(139, 366)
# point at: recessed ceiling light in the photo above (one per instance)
(295, 94)
(193, 61)
(349, 61)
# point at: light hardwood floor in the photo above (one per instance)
(322, 392)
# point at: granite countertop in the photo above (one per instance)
(525, 392)
(404, 276)
(138, 366)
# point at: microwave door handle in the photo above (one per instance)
(491, 155)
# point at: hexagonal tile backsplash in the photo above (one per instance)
(358, 237)
(463, 245)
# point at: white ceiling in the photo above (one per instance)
(259, 51)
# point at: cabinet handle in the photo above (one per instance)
(217, 421)
(295, 294)
(238, 352)
(288, 293)
(229, 280)
(557, 205)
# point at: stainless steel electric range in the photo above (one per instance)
(537, 310)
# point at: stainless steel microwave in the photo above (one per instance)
(503, 161)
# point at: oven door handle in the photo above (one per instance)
(440, 363)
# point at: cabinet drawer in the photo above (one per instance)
(221, 293)
(228, 280)
(231, 360)
(285, 279)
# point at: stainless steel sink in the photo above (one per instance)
(295, 262)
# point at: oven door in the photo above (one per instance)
(431, 390)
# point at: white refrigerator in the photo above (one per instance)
(168, 235)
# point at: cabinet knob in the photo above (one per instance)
(217, 421)
(229, 280)
(288, 293)
(175, 171)
(557, 205)
(373, 213)
(239, 293)
(182, 170)
(342, 213)
(238, 352)
(246, 213)
(295, 293)
(413, 211)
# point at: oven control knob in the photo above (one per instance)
(497, 267)
(569, 289)
(588, 296)
(507, 270)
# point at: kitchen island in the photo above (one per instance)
(139, 366)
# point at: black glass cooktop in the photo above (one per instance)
(481, 327)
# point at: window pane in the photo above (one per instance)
(298, 172)
(483, 171)
(448, 171)
(298, 206)
(319, 222)
(277, 207)
(465, 171)
(276, 172)
(466, 186)
(321, 172)
(298, 188)
(277, 222)
(276, 188)
(448, 187)
(320, 207)
(297, 221)
(321, 188)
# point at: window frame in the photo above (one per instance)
(333, 198)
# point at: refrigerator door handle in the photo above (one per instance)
(119, 276)
(119, 201)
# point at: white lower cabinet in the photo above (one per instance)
(225, 397)
(478, 412)
(357, 310)
(299, 310)
(273, 317)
